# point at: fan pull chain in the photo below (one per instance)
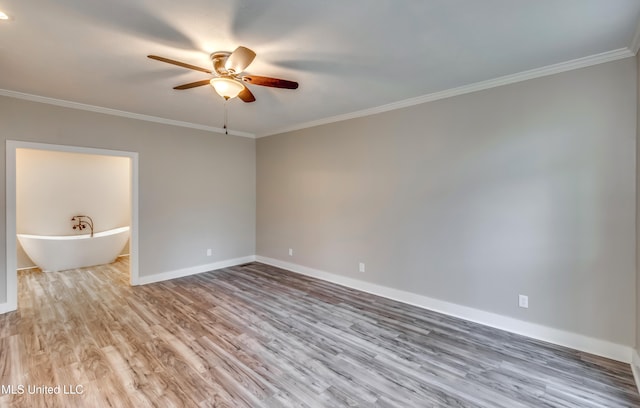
(226, 131)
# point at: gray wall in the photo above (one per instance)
(523, 189)
(638, 204)
(196, 188)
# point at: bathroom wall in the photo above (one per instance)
(52, 187)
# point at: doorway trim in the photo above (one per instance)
(12, 262)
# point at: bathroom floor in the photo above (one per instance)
(258, 336)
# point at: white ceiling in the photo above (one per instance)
(348, 56)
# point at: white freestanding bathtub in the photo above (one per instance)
(59, 253)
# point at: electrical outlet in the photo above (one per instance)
(523, 301)
(290, 251)
(361, 267)
(209, 252)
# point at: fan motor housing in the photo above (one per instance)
(219, 58)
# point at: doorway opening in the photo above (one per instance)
(11, 207)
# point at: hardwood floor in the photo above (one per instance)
(258, 336)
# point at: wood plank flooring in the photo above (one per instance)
(258, 336)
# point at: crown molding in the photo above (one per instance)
(115, 112)
(635, 42)
(448, 93)
(465, 89)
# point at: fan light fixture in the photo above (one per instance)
(226, 87)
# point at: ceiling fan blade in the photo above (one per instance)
(272, 82)
(178, 63)
(246, 95)
(193, 84)
(239, 60)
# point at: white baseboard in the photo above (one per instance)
(575, 341)
(6, 308)
(564, 338)
(179, 273)
(635, 368)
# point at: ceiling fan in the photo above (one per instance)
(227, 68)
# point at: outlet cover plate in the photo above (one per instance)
(523, 301)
